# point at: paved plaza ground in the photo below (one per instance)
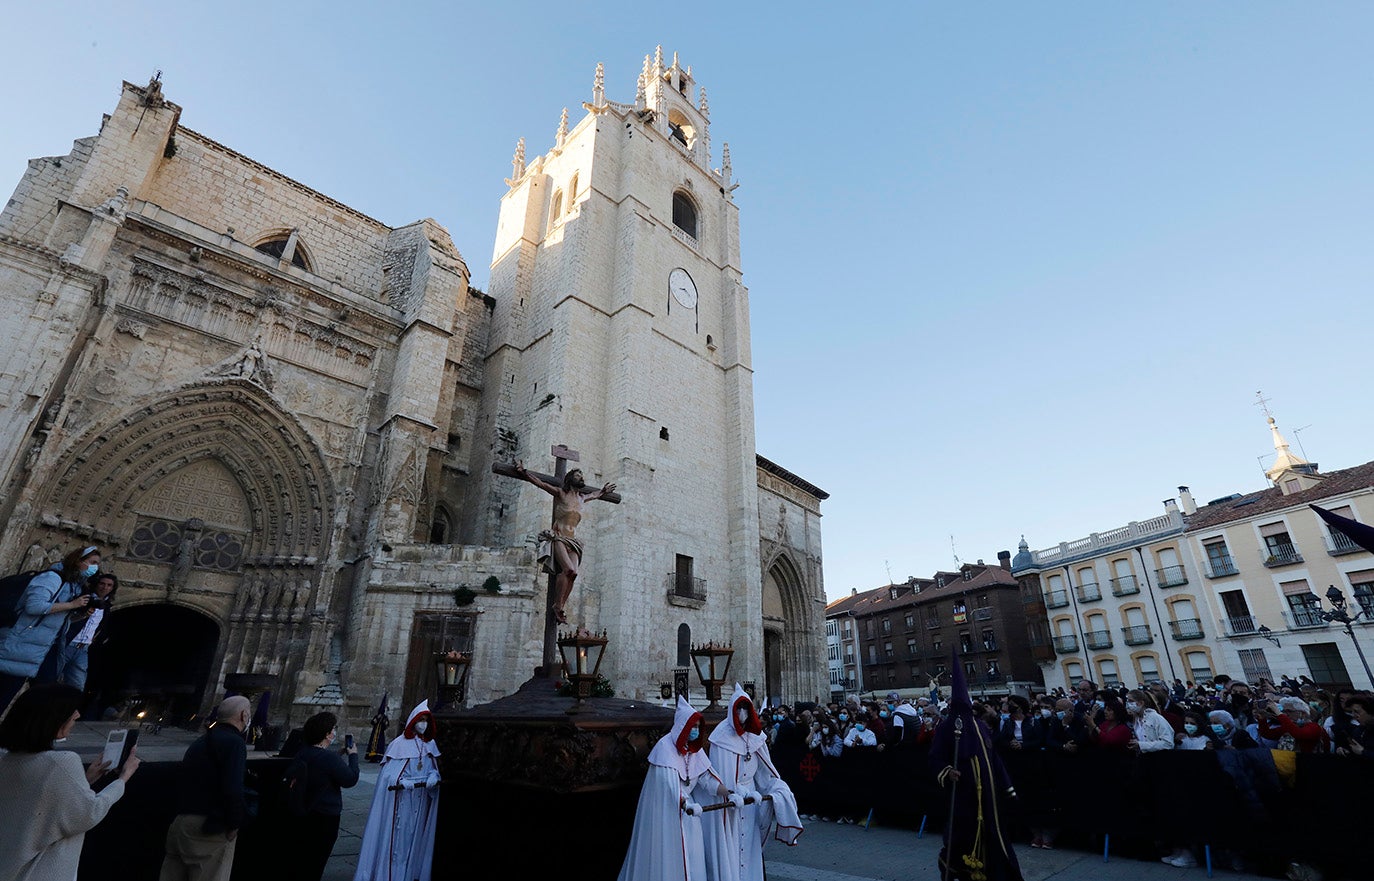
(826, 852)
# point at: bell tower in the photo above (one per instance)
(621, 328)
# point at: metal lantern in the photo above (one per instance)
(452, 668)
(713, 668)
(582, 652)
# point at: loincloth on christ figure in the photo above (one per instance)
(547, 560)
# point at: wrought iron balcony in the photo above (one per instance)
(1304, 619)
(1097, 639)
(1137, 634)
(1056, 599)
(1090, 592)
(1124, 586)
(1171, 576)
(686, 587)
(1240, 625)
(1339, 544)
(1281, 555)
(1066, 645)
(1219, 568)
(1186, 628)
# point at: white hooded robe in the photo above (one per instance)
(739, 755)
(398, 843)
(666, 844)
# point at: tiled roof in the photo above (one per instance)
(880, 599)
(1272, 499)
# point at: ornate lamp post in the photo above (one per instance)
(582, 652)
(713, 667)
(1338, 613)
(452, 668)
(1266, 633)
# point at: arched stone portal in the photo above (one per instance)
(161, 654)
(785, 629)
(211, 497)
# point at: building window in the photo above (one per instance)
(1278, 546)
(684, 584)
(557, 210)
(1219, 560)
(1110, 675)
(1199, 668)
(910, 621)
(1324, 661)
(970, 669)
(276, 247)
(911, 648)
(994, 670)
(572, 191)
(887, 650)
(1362, 583)
(684, 645)
(1254, 665)
(685, 213)
(1305, 609)
(960, 612)
(887, 626)
(1149, 668)
(989, 641)
(868, 627)
(439, 527)
(935, 645)
(965, 643)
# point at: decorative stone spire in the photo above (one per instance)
(1287, 460)
(517, 165)
(640, 97)
(725, 168)
(658, 59)
(704, 107)
(599, 86)
(562, 137)
(660, 106)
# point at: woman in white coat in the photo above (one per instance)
(398, 842)
(739, 755)
(667, 844)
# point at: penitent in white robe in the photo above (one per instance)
(667, 843)
(398, 843)
(739, 756)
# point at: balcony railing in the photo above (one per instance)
(1281, 555)
(1219, 568)
(1098, 639)
(1186, 628)
(1240, 625)
(1303, 619)
(1056, 599)
(686, 587)
(1338, 544)
(1090, 592)
(1137, 634)
(982, 614)
(1171, 576)
(1066, 645)
(932, 624)
(1124, 586)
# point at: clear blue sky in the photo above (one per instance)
(1015, 267)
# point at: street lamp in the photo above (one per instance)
(452, 668)
(1338, 613)
(581, 652)
(1266, 633)
(713, 667)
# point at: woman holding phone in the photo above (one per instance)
(317, 778)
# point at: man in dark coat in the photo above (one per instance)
(977, 842)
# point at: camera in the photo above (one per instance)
(94, 602)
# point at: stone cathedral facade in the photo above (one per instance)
(278, 416)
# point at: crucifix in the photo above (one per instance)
(560, 553)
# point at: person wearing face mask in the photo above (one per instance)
(667, 841)
(210, 804)
(740, 758)
(828, 739)
(1149, 730)
(1195, 734)
(42, 617)
(860, 735)
(845, 718)
(1226, 732)
(1289, 722)
(321, 775)
(398, 841)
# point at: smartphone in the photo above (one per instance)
(348, 741)
(118, 746)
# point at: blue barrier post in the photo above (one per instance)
(922, 831)
(1106, 845)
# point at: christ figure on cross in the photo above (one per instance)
(560, 553)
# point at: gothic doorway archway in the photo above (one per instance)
(785, 628)
(160, 654)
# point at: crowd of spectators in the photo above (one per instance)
(1290, 716)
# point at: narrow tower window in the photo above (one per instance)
(684, 213)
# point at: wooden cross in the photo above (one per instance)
(562, 456)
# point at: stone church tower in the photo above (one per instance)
(621, 328)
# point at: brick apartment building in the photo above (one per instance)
(903, 633)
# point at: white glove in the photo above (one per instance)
(432, 780)
(407, 784)
(691, 808)
(736, 799)
(751, 795)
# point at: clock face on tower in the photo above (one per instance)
(683, 289)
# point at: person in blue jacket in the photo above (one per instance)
(43, 609)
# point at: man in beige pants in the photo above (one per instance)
(210, 806)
